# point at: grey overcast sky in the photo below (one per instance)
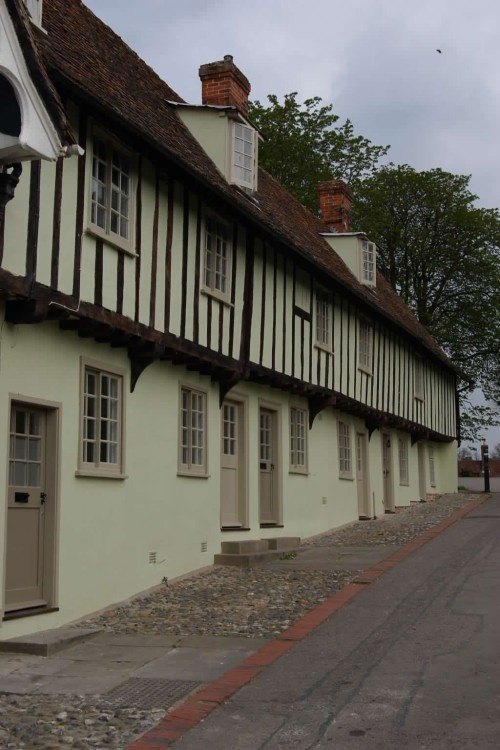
(375, 60)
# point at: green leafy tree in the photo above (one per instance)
(305, 144)
(441, 253)
(495, 452)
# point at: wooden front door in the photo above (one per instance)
(362, 476)
(422, 480)
(26, 522)
(232, 499)
(268, 469)
(387, 473)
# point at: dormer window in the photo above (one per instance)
(368, 263)
(244, 156)
(35, 10)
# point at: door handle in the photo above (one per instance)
(43, 497)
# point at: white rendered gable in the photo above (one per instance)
(27, 131)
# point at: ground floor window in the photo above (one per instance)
(192, 431)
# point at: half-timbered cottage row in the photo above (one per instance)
(183, 273)
(187, 355)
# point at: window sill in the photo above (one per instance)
(225, 299)
(299, 471)
(193, 474)
(366, 370)
(323, 347)
(347, 477)
(95, 474)
(113, 240)
(404, 484)
(419, 398)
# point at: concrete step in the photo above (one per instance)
(246, 546)
(48, 642)
(247, 560)
(284, 543)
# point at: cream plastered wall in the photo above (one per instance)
(109, 527)
(210, 128)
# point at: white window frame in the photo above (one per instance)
(298, 439)
(432, 465)
(418, 372)
(368, 263)
(116, 238)
(243, 166)
(365, 345)
(344, 449)
(192, 439)
(323, 320)
(217, 258)
(35, 10)
(114, 424)
(404, 470)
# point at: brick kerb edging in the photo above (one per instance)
(199, 705)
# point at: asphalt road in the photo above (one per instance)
(412, 662)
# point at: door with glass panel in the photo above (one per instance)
(26, 521)
(387, 473)
(232, 488)
(268, 469)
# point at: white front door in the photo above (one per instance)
(26, 522)
(232, 456)
(268, 469)
(387, 473)
(362, 476)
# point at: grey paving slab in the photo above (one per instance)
(201, 665)
(96, 684)
(44, 666)
(136, 639)
(138, 654)
(85, 668)
(218, 642)
(15, 683)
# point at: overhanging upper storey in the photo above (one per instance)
(27, 131)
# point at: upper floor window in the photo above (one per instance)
(403, 461)
(101, 449)
(323, 320)
(368, 263)
(365, 358)
(111, 193)
(35, 10)
(298, 439)
(244, 156)
(345, 450)
(217, 260)
(419, 378)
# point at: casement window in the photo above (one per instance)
(432, 465)
(298, 440)
(365, 356)
(244, 156)
(101, 449)
(193, 432)
(419, 379)
(368, 263)
(217, 258)
(111, 193)
(345, 450)
(404, 477)
(324, 316)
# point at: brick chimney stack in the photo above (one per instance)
(223, 84)
(335, 201)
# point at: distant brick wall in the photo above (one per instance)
(467, 467)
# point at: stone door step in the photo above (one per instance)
(249, 552)
(48, 642)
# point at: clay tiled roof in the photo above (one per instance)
(79, 50)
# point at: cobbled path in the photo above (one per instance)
(223, 601)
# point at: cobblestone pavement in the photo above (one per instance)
(223, 601)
